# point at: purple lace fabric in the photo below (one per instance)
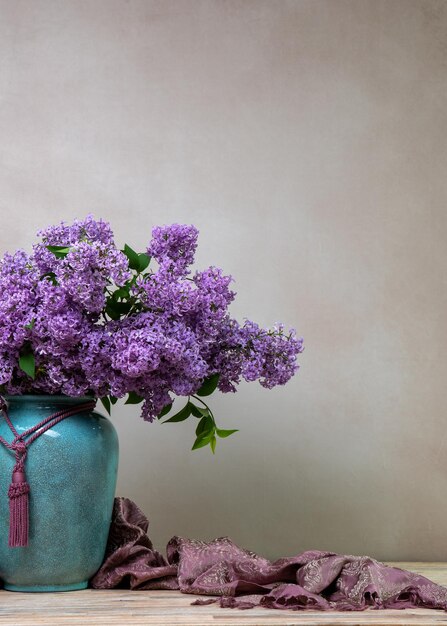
(242, 579)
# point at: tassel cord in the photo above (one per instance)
(18, 492)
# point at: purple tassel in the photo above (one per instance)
(18, 491)
(18, 510)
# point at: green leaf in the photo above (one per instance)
(113, 399)
(132, 257)
(195, 410)
(133, 398)
(205, 426)
(122, 293)
(58, 248)
(106, 403)
(115, 309)
(213, 444)
(164, 411)
(122, 307)
(31, 325)
(226, 433)
(204, 412)
(27, 364)
(181, 415)
(209, 385)
(51, 276)
(200, 442)
(112, 313)
(144, 260)
(59, 251)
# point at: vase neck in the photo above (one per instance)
(47, 400)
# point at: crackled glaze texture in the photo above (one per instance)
(71, 470)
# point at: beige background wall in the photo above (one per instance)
(307, 141)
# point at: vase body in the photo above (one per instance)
(71, 470)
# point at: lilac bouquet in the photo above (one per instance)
(80, 317)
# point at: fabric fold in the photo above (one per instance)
(239, 578)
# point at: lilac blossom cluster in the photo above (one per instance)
(80, 317)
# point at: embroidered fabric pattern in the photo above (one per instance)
(242, 579)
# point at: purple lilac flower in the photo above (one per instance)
(96, 326)
(174, 247)
(91, 264)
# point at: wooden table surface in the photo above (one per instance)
(163, 608)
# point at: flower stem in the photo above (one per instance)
(206, 406)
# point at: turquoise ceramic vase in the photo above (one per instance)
(71, 470)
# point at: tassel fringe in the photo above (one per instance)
(18, 514)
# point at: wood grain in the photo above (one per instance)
(163, 608)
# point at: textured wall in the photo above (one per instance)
(307, 141)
